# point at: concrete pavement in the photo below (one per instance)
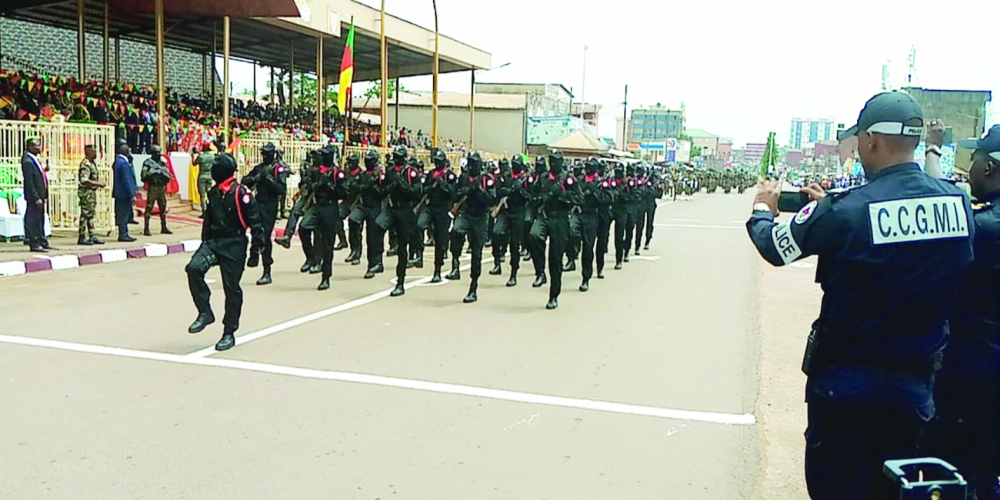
(646, 385)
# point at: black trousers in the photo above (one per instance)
(650, 218)
(603, 235)
(325, 221)
(230, 255)
(297, 213)
(476, 229)
(632, 214)
(374, 235)
(438, 222)
(311, 242)
(34, 225)
(355, 223)
(575, 240)
(588, 232)
(620, 218)
(556, 228)
(508, 232)
(268, 216)
(403, 222)
(847, 443)
(640, 225)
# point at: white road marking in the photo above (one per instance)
(703, 226)
(664, 204)
(803, 265)
(421, 385)
(686, 220)
(292, 323)
(738, 221)
(647, 257)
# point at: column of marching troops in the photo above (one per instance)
(519, 209)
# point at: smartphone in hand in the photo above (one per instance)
(792, 201)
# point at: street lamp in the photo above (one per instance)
(472, 103)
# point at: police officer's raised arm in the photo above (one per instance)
(813, 230)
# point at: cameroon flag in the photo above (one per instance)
(346, 71)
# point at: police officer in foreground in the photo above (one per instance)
(892, 255)
(231, 210)
(966, 430)
(269, 181)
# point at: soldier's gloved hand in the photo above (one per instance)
(254, 258)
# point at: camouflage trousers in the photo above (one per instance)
(88, 209)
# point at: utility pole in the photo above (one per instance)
(913, 66)
(583, 89)
(625, 121)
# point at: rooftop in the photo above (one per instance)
(448, 100)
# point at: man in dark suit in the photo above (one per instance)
(124, 191)
(36, 193)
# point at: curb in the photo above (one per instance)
(60, 262)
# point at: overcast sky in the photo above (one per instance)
(742, 68)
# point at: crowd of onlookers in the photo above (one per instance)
(191, 119)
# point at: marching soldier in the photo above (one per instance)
(268, 180)
(604, 219)
(403, 190)
(298, 211)
(89, 182)
(156, 175)
(619, 212)
(654, 191)
(537, 194)
(557, 191)
(641, 192)
(371, 186)
(493, 240)
(312, 242)
(439, 196)
(595, 196)
(350, 209)
(328, 187)
(231, 210)
(632, 194)
(476, 195)
(510, 217)
(575, 241)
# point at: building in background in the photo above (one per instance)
(807, 131)
(589, 113)
(543, 99)
(754, 151)
(726, 149)
(739, 155)
(707, 141)
(656, 124)
(793, 158)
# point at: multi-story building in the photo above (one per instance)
(726, 149)
(754, 152)
(543, 99)
(707, 141)
(808, 131)
(656, 123)
(589, 113)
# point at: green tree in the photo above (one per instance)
(304, 87)
(375, 90)
(695, 151)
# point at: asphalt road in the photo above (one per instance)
(644, 387)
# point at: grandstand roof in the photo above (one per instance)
(269, 41)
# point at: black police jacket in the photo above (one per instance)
(439, 187)
(268, 180)
(328, 184)
(231, 211)
(515, 188)
(891, 257)
(559, 193)
(480, 194)
(595, 194)
(403, 187)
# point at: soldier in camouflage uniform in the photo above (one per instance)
(89, 183)
(156, 175)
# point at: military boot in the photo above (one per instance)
(305, 267)
(399, 290)
(585, 286)
(455, 274)
(437, 275)
(513, 277)
(471, 297)
(553, 303)
(285, 241)
(324, 284)
(497, 270)
(266, 278)
(570, 266)
(539, 281)
(227, 341)
(203, 320)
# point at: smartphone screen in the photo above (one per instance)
(792, 201)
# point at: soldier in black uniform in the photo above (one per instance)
(328, 185)
(230, 212)
(371, 186)
(892, 254)
(268, 180)
(439, 196)
(619, 210)
(654, 191)
(495, 240)
(298, 212)
(966, 430)
(510, 217)
(403, 190)
(536, 199)
(350, 210)
(605, 216)
(595, 195)
(575, 242)
(643, 191)
(635, 185)
(476, 192)
(557, 195)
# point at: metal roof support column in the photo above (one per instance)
(225, 79)
(81, 42)
(161, 93)
(383, 103)
(320, 88)
(434, 138)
